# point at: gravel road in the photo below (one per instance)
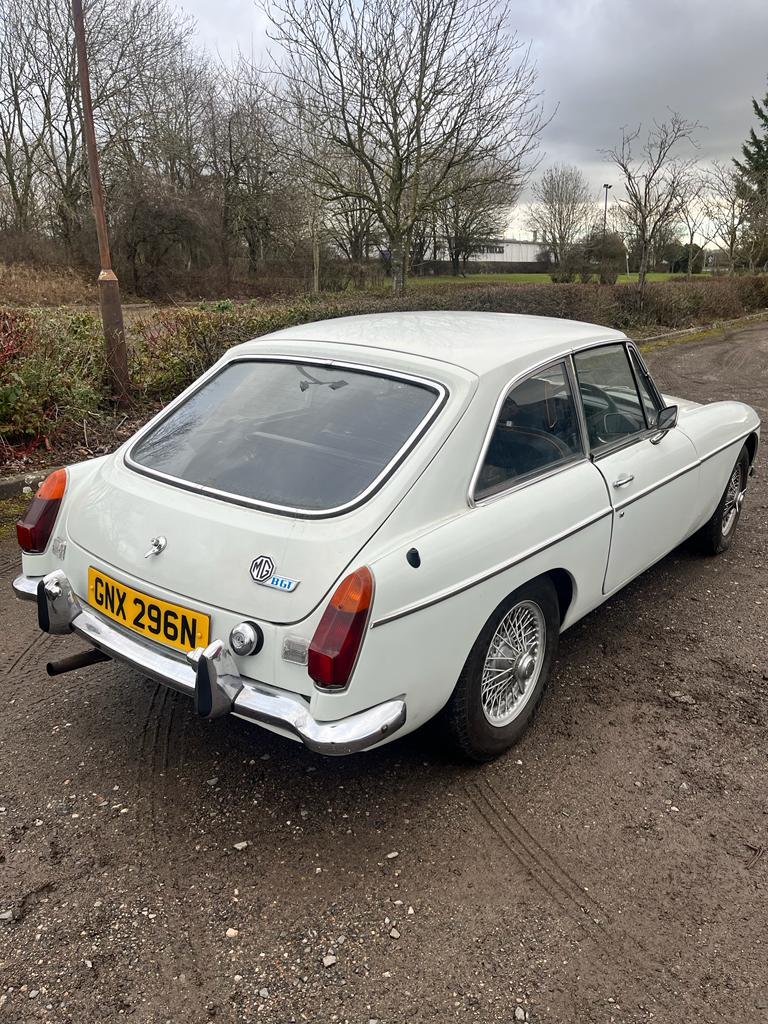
(610, 869)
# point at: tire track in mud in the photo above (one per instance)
(36, 648)
(10, 568)
(147, 748)
(572, 898)
(571, 903)
(161, 724)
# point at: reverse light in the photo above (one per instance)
(34, 530)
(336, 643)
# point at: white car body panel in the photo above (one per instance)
(649, 519)
(572, 522)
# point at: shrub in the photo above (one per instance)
(52, 371)
(173, 347)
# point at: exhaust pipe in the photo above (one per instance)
(75, 661)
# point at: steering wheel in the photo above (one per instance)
(596, 421)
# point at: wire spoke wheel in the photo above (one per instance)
(513, 663)
(734, 496)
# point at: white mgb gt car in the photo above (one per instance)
(346, 528)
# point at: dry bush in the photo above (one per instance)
(52, 373)
(24, 284)
(174, 346)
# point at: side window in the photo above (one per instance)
(647, 397)
(611, 403)
(537, 428)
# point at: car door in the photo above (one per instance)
(652, 477)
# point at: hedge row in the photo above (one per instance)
(52, 373)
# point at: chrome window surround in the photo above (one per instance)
(566, 356)
(623, 442)
(639, 435)
(637, 365)
(439, 390)
(537, 474)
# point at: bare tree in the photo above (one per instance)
(20, 137)
(473, 215)
(694, 215)
(653, 181)
(41, 124)
(726, 210)
(562, 209)
(351, 222)
(414, 91)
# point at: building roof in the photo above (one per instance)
(478, 342)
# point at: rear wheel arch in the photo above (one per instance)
(463, 719)
(751, 445)
(565, 588)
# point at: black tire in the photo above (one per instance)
(464, 719)
(718, 532)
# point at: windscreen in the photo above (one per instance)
(295, 435)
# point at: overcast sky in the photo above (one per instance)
(604, 64)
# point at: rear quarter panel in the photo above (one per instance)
(426, 619)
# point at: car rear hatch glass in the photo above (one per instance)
(300, 438)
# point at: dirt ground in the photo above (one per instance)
(610, 869)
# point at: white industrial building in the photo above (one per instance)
(508, 250)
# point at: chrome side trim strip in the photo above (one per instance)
(474, 581)
(680, 472)
(655, 487)
(722, 447)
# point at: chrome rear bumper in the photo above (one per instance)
(208, 675)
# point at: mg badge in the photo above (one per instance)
(263, 573)
(262, 568)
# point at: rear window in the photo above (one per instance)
(294, 435)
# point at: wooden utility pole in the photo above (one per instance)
(109, 289)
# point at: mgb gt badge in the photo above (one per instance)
(263, 573)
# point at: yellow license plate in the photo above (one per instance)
(167, 623)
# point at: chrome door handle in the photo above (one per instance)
(623, 479)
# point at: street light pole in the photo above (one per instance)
(605, 222)
(109, 289)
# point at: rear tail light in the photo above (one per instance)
(336, 643)
(35, 529)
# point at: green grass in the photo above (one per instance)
(438, 279)
(426, 282)
(11, 510)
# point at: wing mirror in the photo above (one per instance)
(666, 419)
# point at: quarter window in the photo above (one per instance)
(646, 395)
(537, 430)
(608, 392)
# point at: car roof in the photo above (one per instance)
(478, 342)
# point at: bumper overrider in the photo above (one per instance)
(208, 675)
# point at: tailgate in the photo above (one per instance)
(212, 544)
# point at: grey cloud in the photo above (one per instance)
(609, 64)
(604, 64)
